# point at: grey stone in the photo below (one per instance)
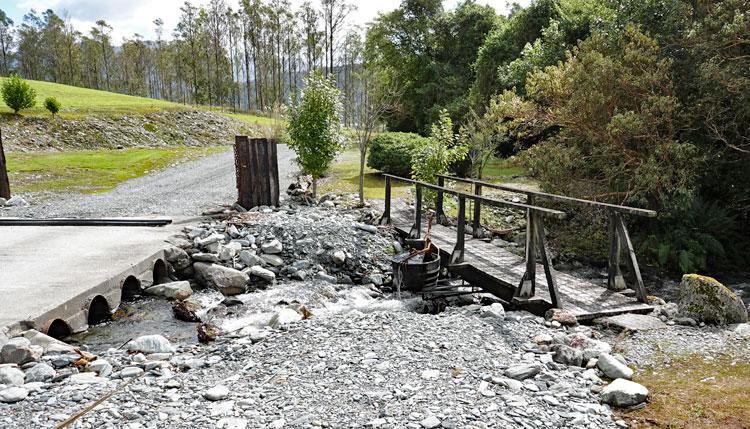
(151, 344)
(205, 257)
(260, 272)
(338, 257)
(522, 372)
(430, 422)
(40, 372)
(613, 368)
(272, 247)
(16, 201)
(631, 322)
(100, 366)
(624, 393)
(177, 257)
(249, 258)
(174, 290)
(567, 355)
(11, 375)
(284, 317)
(19, 350)
(13, 394)
(228, 281)
(272, 260)
(130, 372)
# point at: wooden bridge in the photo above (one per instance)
(518, 281)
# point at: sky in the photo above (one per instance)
(136, 16)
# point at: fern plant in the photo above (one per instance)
(691, 237)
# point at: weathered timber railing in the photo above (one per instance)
(619, 238)
(534, 231)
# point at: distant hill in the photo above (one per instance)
(99, 119)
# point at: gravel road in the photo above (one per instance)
(185, 190)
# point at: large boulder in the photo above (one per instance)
(40, 372)
(613, 368)
(177, 257)
(151, 344)
(706, 300)
(10, 375)
(624, 393)
(226, 280)
(19, 350)
(174, 290)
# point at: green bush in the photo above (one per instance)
(692, 237)
(148, 126)
(18, 94)
(392, 152)
(51, 104)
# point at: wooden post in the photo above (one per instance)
(528, 281)
(477, 211)
(257, 172)
(457, 256)
(544, 251)
(416, 230)
(615, 280)
(386, 219)
(640, 290)
(4, 182)
(439, 212)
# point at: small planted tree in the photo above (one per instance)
(315, 128)
(51, 104)
(18, 94)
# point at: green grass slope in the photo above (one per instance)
(77, 102)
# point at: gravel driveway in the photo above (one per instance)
(185, 190)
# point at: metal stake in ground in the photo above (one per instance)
(4, 183)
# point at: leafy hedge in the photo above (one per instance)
(392, 152)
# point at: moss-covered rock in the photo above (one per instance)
(705, 299)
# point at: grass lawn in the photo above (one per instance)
(77, 102)
(693, 393)
(344, 176)
(93, 171)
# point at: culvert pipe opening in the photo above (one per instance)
(131, 289)
(99, 310)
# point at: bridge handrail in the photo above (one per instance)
(554, 197)
(490, 201)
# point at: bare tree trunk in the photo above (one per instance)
(4, 183)
(315, 188)
(362, 157)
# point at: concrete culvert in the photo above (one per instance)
(59, 329)
(160, 272)
(99, 310)
(131, 289)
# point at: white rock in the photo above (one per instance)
(430, 374)
(11, 375)
(495, 311)
(130, 372)
(174, 290)
(272, 247)
(613, 368)
(87, 378)
(100, 366)
(16, 201)
(339, 257)
(284, 317)
(151, 344)
(430, 422)
(13, 394)
(216, 393)
(624, 393)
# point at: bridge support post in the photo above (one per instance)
(477, 212)
(457, 256)
(615, 280)
(528, 282)
(640, 290)
(386, 218)
(440, 216)
(416, 230)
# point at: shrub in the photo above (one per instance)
(441, 151)
(18, 94)
(315, 128)
(52, 105)
(392, 152)
(148, 126)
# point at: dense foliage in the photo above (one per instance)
(18, 94)
(315, 128)
(392, 152)
(441, 150)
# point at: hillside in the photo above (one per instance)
(92, 119)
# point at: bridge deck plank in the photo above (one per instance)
(585, 298)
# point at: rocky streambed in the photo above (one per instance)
(293, 323)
